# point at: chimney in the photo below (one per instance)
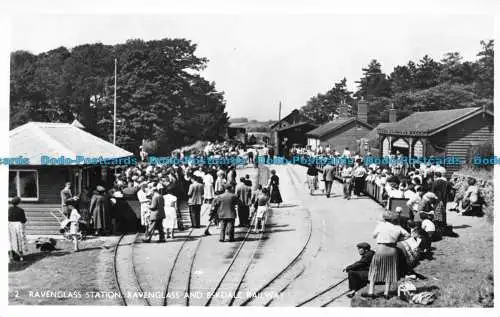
(363, 111)
(393, 117)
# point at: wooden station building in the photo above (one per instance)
(39, 184)
(450, 133)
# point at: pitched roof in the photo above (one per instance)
(430, 122)
(295, 112)
(373, 134)
(312, 125)
(35, 139)
(335, 125)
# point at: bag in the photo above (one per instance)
(406, 291)
(424, 298)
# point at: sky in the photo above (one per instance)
(258, 60)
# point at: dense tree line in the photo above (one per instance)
(417, 86)
(160, 95)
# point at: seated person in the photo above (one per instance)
(357, 272)
(471, 197)
(410, 249)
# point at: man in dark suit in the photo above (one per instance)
(225, 204)
(328, 178)
(195, 194)
(157, 214)
(357, 272)
(244, 194)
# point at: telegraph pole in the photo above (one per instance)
(114, 115)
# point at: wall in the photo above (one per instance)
(459, 138)
(345, 137)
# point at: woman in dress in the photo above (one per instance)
(144, 201)
(170, 213)
(100, 209)
(273, 186)
(208, 188)
(384, 266)
(17, 236)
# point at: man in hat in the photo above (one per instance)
(328, 176)
(195, 194)
(244, 194)
(66, 196)
(143, 154)
(357, 273)
(225, 204)
(157, 214)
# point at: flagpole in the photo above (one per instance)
(279, 113)
(114, 113)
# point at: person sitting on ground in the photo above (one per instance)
(409, 250)
(471, 197)
(357, 273)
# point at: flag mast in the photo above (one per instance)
(114, 113)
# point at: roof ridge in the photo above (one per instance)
(53, 142)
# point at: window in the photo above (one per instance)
(23, 183)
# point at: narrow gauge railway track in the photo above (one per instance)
(180, 274)
(329, 294)
(226, 291)
(283, 279)
(228, 287)
(179, 280)
(326, 296)
(126, 278)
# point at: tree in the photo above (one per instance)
(484, 74)
(453, 71)
(323, 107)
(374, 83)
(427, 73)
(160, 95)
(403, 78)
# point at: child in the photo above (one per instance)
(429, 228)
(262, 210)
(74, 228)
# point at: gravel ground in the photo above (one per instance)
(64, 277)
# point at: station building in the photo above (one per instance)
(38, 184)
(451, 133)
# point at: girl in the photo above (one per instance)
(74, 228)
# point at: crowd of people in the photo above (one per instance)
(402, 237)
(160, 189)
(405, 233)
